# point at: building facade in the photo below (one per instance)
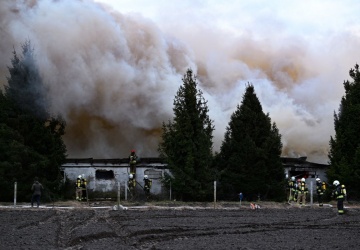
(104, 175)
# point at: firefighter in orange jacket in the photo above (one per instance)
(302, 191)
(340, 194)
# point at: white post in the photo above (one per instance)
(311, 193)
(15, 192)
(214, 194)
(118, 196)
(170, 190)
(126, 189)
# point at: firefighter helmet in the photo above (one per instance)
(336, 183)
(146, 177)
(302, 179)
(132, 150)
(79, 176)
(293, 178)
(317, 179)
(131, 176)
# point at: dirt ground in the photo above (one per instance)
(229, 226)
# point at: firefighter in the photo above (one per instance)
(81, 190)
(83, 184)
(339, 193)
(302, 191)
(147, 184)
(131, 181)
(291, 187)
(320, 189)
(297, 184)
(132, 162)
(78, 189)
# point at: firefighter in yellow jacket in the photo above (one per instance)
(320, 190)
(131, 182)
(147, 184)
(132, 162)
(302, 191)
(291, 188)
(339, 193)
(81, 184)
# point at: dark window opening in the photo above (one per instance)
(153, 174)
(303, 174)
(104, 174)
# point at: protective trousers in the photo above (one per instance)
(301, 199)
(320, 199)
(340, 206)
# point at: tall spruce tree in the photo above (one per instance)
(25, 86)
(249, 158)
(187, 143)
(31, 140)
(344, 154)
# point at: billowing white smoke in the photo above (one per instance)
(114, 76)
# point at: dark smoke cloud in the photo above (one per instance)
(113, 76)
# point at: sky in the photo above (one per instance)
(113, 68)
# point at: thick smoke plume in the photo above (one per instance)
(113, 76)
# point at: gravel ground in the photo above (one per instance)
(178, 227)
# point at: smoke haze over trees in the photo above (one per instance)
(187, 143)
(25, 85)
(112, 74)
(344, 152)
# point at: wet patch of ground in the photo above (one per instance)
(185, 227)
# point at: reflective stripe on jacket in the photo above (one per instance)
(302, 188)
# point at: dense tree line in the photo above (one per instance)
(31, 142)
(344, 152)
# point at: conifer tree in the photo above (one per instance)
(187, 143)
(25, 86)
(249, 159)
(30, 139)
(344, 152)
